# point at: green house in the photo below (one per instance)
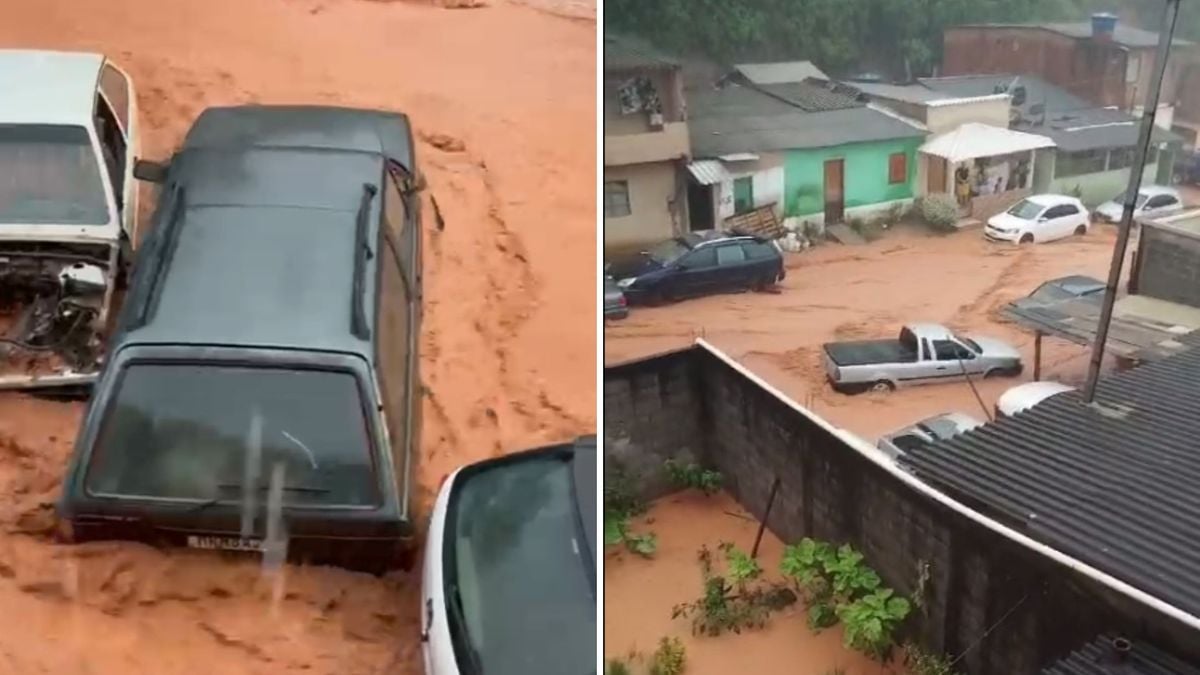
(812, 149)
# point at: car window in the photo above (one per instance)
(1060, 211)
(112, 145)
(115, 88)
(948, 350)
(49, 175)
(1026, 210)
(187, 431)
(756, 250)
(700, 258)
(394, 323)
(513, 534)
(924, 350)
(730, 254)
(1159, 201)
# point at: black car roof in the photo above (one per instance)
(263, 253)
(300, 127)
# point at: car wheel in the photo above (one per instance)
(1011, 371)
(882, 386)
(1026, 238)
(1081, 230)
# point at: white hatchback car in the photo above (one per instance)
(509, 579)
(1039, 218)
(1153, 201)
(1025, 396)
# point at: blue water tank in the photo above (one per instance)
(1103, 24)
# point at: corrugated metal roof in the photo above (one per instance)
(1097, 658)
(971, 140)
(736, 118)
(48, 87)
(780, 72)
(1123, 34)
(623, 52)
(1113, 484)
(709, 171)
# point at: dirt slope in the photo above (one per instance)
(503, 98)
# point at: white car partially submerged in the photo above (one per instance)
(927, 431)
(509, 579)
(68, 211)
(1153, 201)
(1039, 218)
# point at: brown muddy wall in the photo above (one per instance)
(1036, 611)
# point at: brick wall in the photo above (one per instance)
(1010, 610)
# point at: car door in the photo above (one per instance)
(733, 267)
(694, 274)
(925, 367)
(948, 354)
(1056, 223)
(763, 260)
(117, 90)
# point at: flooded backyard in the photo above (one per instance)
(640, 594)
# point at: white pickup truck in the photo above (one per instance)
(68, 212)
(924, 352)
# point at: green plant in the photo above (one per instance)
(693, 476)
(805, 562)
(939, 211)
(617, 667)
(848, 576)
(669, 659)
(922, 662)
(617, 532)
(724, 607)
(742, 568)
(871, 620)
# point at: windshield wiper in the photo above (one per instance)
(286, 488)
(454, 600)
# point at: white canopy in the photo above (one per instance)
(973, 140)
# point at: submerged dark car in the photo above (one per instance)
(615, 304)
(1073, 287)
(261, 391)
(694, 265)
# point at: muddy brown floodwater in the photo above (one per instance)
(837, 292)
(640, 593)
(503, 99)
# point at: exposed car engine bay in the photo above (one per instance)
(52, 299)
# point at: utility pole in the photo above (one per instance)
(1170, 14)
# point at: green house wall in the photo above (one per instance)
(866, 174)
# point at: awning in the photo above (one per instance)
(982, 140)
(709, 171)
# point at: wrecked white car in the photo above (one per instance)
(68, 212)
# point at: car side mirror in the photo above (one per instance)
(149, 171)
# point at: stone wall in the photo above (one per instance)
(1008, 609)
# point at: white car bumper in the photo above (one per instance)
(996, 234)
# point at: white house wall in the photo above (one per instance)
(766, 178)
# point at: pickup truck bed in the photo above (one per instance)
(865, 352)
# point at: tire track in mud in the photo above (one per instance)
(988, 298)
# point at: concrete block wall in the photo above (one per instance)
(1006, 609)
(1169, 266)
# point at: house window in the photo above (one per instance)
(1079, 163)
(743, 195)
(897, 168)
(616, 199)
(1120, 158)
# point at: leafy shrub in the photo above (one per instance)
(669, 659)
(848, 576)
(617, 667)
(694, 476)
(871, 620)
(939, 211)
(921, 662)
(620, 504)
(724, 607)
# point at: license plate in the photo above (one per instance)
(226, 543)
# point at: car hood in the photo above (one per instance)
(997, 348)
(1007, 221)
(1110, 209)
(632, 266)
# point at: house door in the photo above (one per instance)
(743, 194)
(700, 207)
(936, 181)
(835, 197)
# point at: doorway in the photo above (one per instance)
(700, 207)
(835, 196)
(935, 182)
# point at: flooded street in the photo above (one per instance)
(502, 97)
(640, 593)
(836, 292)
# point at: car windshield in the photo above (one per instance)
(49, 176)
(516, 534)
(971, 344)
(200, 432)
(1141, 199)
(1026, 209)
(667, 252)
(1051, 292)
(940, 428)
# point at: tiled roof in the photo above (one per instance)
(1123, 34)
(622, 52)
(1113, 484)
